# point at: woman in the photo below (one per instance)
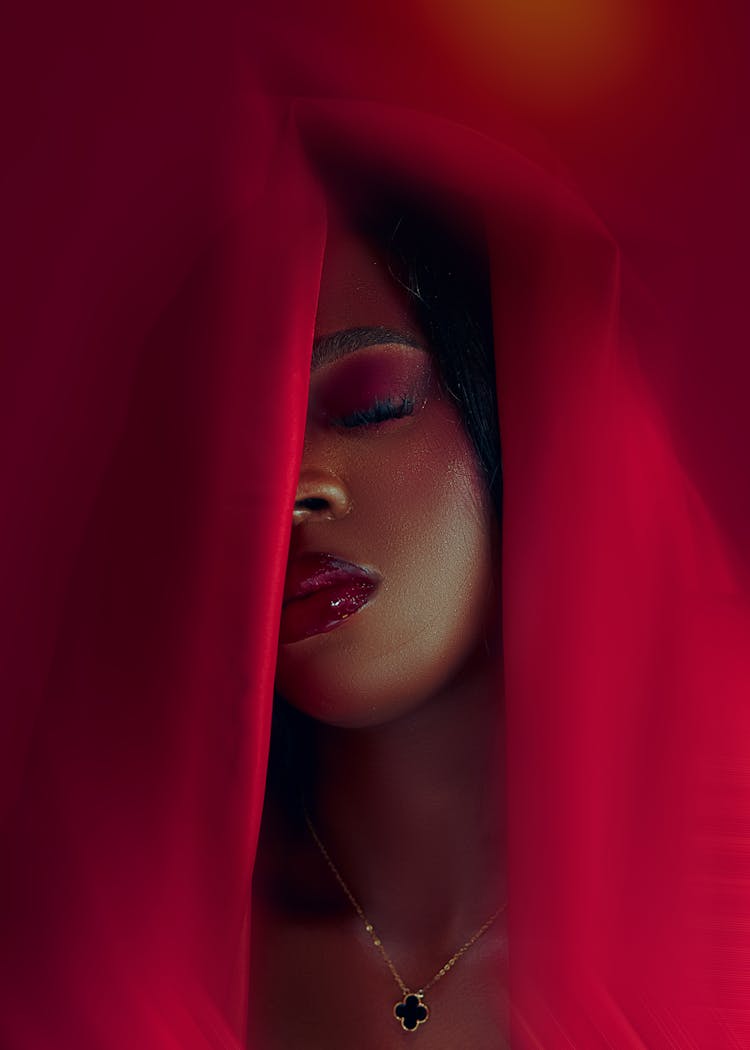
(164, 241)
(394, 664)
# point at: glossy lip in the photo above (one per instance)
(321, 593)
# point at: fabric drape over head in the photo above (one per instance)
(165, 228)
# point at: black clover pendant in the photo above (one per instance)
(411, 1012)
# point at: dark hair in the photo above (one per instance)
(445, 273)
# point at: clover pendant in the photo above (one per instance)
(412, 1012)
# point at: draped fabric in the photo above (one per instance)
(165, 227)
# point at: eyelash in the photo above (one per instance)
(379, 412)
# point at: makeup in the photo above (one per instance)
(388, 478)
(372, 386)
(321, 593)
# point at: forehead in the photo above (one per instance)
(357, 289)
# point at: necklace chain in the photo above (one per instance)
(377, 942)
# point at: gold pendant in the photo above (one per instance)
(411, 1011)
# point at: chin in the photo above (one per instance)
(348, 708)
(339, 689)
(373, 671)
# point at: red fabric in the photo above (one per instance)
(165, 238)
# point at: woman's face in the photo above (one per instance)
(389, 585)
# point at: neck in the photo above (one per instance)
(412, 812)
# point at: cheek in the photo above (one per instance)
(440, 557)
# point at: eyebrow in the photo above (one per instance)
(327, 348)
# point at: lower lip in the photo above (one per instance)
(324, 610)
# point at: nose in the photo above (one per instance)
(321, 495)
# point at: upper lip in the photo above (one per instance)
(312, 572)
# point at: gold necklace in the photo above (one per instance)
(412, 1010)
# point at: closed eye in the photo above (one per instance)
(378, 412)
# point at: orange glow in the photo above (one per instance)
(554, 52)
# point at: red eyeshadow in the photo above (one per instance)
(355, 382)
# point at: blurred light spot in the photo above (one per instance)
(554, 52)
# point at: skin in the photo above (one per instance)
(406, 705)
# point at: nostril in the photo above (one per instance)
(320, 496)
(311, 503)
